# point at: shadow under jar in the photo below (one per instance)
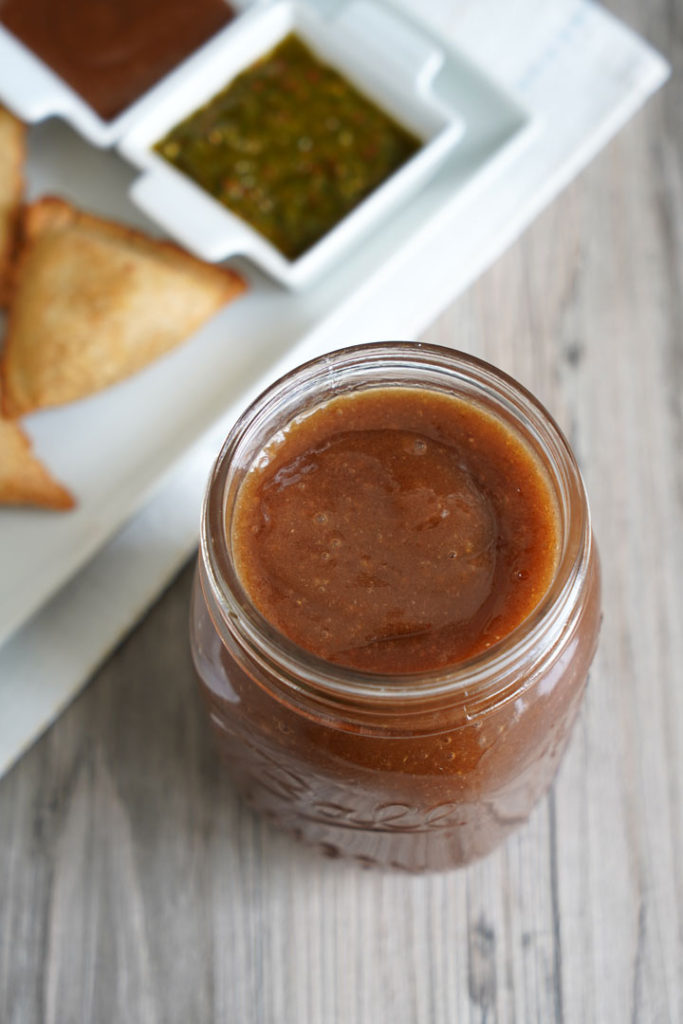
(419, 768)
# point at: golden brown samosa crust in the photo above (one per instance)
(12, 157)
(95, 302)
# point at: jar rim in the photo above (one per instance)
(485, 675)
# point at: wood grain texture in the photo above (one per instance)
(134, 886)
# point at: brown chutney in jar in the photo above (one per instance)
(396, 530)
(396, 604)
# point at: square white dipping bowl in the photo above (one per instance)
(384, 56)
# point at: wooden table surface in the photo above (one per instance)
(134, 886)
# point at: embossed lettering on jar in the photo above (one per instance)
(416, 742)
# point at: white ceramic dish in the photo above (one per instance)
(114, 448)
(376, 49)
(34, 92)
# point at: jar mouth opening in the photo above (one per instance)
(394, 364)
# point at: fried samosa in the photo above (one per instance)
(12, 154)
(24, 480)
(94, 302)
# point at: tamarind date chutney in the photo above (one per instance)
(414, 518)
(396, 530)
(112, 51)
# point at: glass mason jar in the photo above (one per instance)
(423, 771)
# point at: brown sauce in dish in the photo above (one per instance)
(396, 530)
(112, 51)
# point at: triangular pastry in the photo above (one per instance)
(24, 480)
(93, 302)
(12, 152)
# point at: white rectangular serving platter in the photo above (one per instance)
(113, 449)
